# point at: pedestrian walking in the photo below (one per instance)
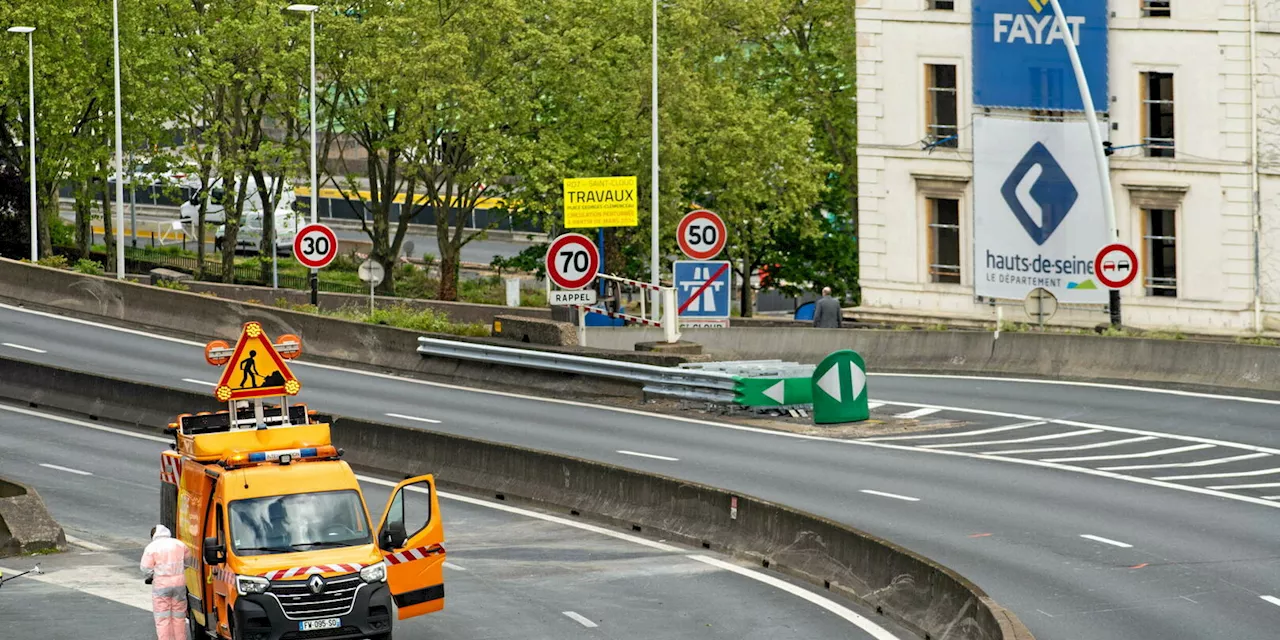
(163, 563)
(826, 311)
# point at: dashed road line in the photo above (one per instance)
(66, 469)
(23, 348)
(889, 495)
(1129, 456)
(1096, 445)
(1197, 463)
(413, 418)
(80, 542)
(450, 565)
(1272, 599)
(647, 455)
(1114, 543)
(1052, 436)
(200, 382)
(580, 619)
(962, 434)
(918, 413)
(1237, 474)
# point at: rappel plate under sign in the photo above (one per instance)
(255, 370)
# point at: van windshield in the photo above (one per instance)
(298, 522)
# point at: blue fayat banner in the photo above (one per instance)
(1020, 59)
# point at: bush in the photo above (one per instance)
(61, 234)
(407, 317)
(87, 267)
(174, 285)
(55, 261)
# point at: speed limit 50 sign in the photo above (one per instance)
(701, 234)
(572, 261)
(315, 246)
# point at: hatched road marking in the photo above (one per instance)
(963, 434)
(1129, 456)
(1198, 463)
(1096, 445)
(1052, 436)
(1238, 474)
(582, 620)
(918, 413)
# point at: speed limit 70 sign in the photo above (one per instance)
(315, 246)
(572, 261)
(701, 234)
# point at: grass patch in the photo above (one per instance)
(406, 317)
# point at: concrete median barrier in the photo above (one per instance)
(25, 523)
(918, 593)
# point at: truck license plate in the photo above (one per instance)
(313, 625)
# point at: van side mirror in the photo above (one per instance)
(214, 553)
(393, 536)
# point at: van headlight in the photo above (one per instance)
(247, 585)
(374, 573)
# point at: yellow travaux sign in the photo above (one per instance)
(600, 202)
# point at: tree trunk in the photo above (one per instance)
(448, 270)
(232, 235)
(200, 248)
(84, 218)
(50, 207)
(745, 301)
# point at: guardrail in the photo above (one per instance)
(712, 386)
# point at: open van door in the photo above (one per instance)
(411, 536)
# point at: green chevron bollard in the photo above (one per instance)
(774, 392)
(839, 388)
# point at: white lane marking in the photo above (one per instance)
(889, 495)
(871, 628)
(18, 346)
(1237, 474)
(1271, 497)
(1094, 385)
(1198, 463)
(81, 423)
(1044, 464)
(580, 619)
(1082, 447)
(962, 434)
(200, 382)
(67, 469)
(1052, 436)
(414, 418)
(450, 565)
(81, 542)
(647, 455)
(1230, 487)
(918, 413)
(1130, 456)
(1272, 599)
(874, 405)
(1114, 543)
(109, 583)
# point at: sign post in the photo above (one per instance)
(315, 246)
(840, 389)
(1040, 305)
(371, 271)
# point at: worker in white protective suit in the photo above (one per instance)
(163, 562)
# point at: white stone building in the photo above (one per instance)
(1196, 81)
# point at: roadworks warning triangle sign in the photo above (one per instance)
(255, 370)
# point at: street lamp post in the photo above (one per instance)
(310, 10)
(115, 45)
(1095, 132)
(31, 131)
(654, 267)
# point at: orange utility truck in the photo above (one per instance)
(277, 526)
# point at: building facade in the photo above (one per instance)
(1192, 102)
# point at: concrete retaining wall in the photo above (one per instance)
(535, 330)
(25, 523)
(1058, 356)
(915, 591)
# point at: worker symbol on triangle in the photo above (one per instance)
(256, 369)
(840, 389)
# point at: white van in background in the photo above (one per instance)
(249, 240)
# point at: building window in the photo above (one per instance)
(1160, 246)
(941, 105)
(944, 240)
(1156, 8)
(942, 5)
(1157, 114)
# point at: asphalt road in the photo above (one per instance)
(509, 575)
(1076, 551)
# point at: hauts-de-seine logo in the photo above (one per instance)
(1039, 193)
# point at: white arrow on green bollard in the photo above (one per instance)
(840, 389)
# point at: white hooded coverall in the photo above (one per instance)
(163, 561)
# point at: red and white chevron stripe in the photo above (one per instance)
(170, 468)
(222, 574)
(409, 555)
(282, 574)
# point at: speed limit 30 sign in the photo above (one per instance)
(315, 246)
(572, 261)
(701, 234)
